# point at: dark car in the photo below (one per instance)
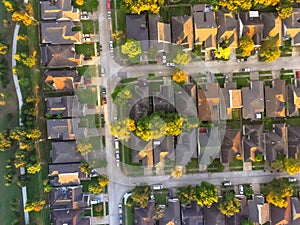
(104, 90)
(87, 58)
(104, 101)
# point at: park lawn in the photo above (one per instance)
(87, 26)
(86, 49)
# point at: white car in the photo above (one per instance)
(120, 208)
(87, 39)
(109, 15)
(171, 64)
(117, 155)
(83, 12)
(246, 69)
(241, 189)
(85, 35)
(95, 201)
(84, 17)
(292, 179)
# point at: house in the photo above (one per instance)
(143, 216)
(275, 99)
(275, 142)
(62, 80)
(252, 141)
(163, 36)
(253, 100)
(227, 27)
(65, 174)
(291, 27)
(209, 146)
(59, 56)
(59, 33)
(65, 106)
(70, 217)
(293, 100)
(164, 99)
(272, 25)
(65, 152)
(231, 146)
(186, 101)
(140, 102)
(205, 26)
(59, 10)
(137, 29)
(192, 214)
(68, 198)
(209, 102)
(281, 215)
(231, 100)
(213, 216)
(186, 147)
(171, 212)
(293, 134)
(259, 210)
(182, 31)
(295, 210)
(163, 149)
(251, 24)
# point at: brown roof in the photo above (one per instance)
(59, 9)
(66, 106)
(231, 145)
(143, 216)
(182, 31)
(163, 32)
(275, 98)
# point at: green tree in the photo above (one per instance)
(46, 186)
(84, 148)
(186, 194)
(182, 58)
(230, 204)
(122, 128)
(121, 94)
(132, 48)
(3, 49)
(246, 45)
(269, 50)
(95, 188)
(85, 167)
(206, 194)
(34, 205)
(141, 194)
(173, 124)
(277, 191)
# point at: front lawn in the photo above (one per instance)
(86, 49)
(87, 71)
(87, 26)
(192, 166)
(87, 95)
(215, 166)
(241, 82)
(236, 165)
(89, 5)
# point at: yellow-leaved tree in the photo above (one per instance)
(182, 58)
(246, 45)
(269, 50)
(132, 48)
(122, 128)
(3, 49)
(278, 191)
(222, 53)
(230, 204)
(180, 76)
(79, 2)
(138, 6)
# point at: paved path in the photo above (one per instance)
(20, 104)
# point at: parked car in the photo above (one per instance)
(117, 155)
(84, 17)
(157, 186)
(246, 69)
(120, 208)
(111, 44)
(87, 58)
(83, 12)
(108, 4)
(104, 101)
(102, 71)
(152, 197)
(109, 15)
(87, 39)
(292, 179)
(226, 183)
(170, 64)
(164, 58)
(116, 143)
(241, 189)
(95, 201)
(104, 91)
(85, 35)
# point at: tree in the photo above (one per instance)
(269, 50)
(22, 37)
(230, 204)
(34, 205)
(21, 158)
(285, 9)
(84, 148)
(235, 5)
(180, 76)
(121, 95)
(190, 123)
(206, 194)
(182, 58)
(34, 168)
(247, 222)
(79, 2)
(222, 53)
(186, 194)
(277, 191)
(140, 195)
(34, 134)
(46, 186)
(95, 188)
(85, 167)
(103, 181)
(118, 36)
(22, 17)
(5, 141)
(3, 49)
(173, 124)
(158, 213)
(138, 6)
(122, 128)
(265, 3)
(292, 166)
(246, 45)
(132, 48)
(177, 172)
(8, 5)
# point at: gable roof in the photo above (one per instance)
(59, 10)
(172, 212)
(252, 141)
(186, 147)
(295, 208)
(213, 216)
(143, 216)
(275, 98)
(70, 217)
(281, 216)
(192, 214)
(163, 149)
(163, 32)
(59, 33)
(60, 129)
(208, 102)
(292, 27)
(253, 100)
(275, 142)
(252, 25)
(231, 145)
(293, 99)
(259, 210)
(205, 26)
(153, 20)
(182, 31)
(65, 152)
(185, 101)
(272, 25)
(56, 56)
(62, 73)
(227, 27)
(293, 133)
(165, 99)
(67, 106)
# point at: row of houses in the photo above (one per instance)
(58, 36)
(208, 28)
(256, 210)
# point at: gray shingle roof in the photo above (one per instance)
(275, 99)
(65, 152)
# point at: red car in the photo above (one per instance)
(104, 100)
(108, 4)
